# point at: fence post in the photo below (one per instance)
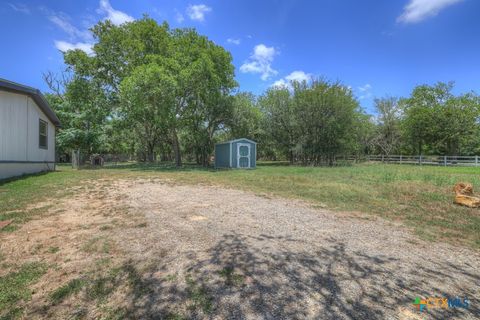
(400, 158)
(76, 159)
(445, 161)
(382, 158)
(420, 159)
(476, 161)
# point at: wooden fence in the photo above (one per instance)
(422, 160)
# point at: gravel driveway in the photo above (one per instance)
(237, 255)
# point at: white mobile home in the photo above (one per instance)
(27, 131)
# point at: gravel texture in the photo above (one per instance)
(221, 253)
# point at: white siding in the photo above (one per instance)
(13, 124)
(19, 135)
(34, 152)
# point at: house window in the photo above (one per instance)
(43, 135)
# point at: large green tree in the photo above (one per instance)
(387, 137)
(146, 97)
(206, 79)
(199, 74)
(280, 121)
(246, 117)
(327, 113)
(83, 110)
(312, 122)
(438, 122)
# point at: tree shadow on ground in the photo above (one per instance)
(239, 279)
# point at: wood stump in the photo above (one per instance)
(464, 195)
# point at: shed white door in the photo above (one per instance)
(243, 155)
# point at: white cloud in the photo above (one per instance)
(197, 12)
(115, 16)
(262, 52)
(62, 21)
(299, 76)
(365, 88)
(365, 91)
(20, 7)
(179, 17)
(77, 38)
(82, 39)
(280, 83)
(65, 46)
(418, 10)
(295, 76)
(260, 62)
(234, 41)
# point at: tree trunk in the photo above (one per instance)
(331, 160)
(208, 148)
(150, 156)
(197, 157)
(206, 158)
(176, 149)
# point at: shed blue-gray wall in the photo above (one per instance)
(227, 158)
(222, 155)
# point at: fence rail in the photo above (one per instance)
(423, 160)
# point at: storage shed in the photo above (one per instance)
(238, 153)
(27, 131)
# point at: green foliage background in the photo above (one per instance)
(160, 94)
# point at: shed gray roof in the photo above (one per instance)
(33, 93)
(235, 140)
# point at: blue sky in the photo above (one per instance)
(377, 47)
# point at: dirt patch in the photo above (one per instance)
(5, 223)
(197, 218)
(144, 249)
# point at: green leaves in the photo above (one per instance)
(152, 83)
(147, 99)
(313, 122)
(436, 121)
(83, 110)
(387, 137)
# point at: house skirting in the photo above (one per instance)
(10, 169)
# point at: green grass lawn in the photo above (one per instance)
(419, 196)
